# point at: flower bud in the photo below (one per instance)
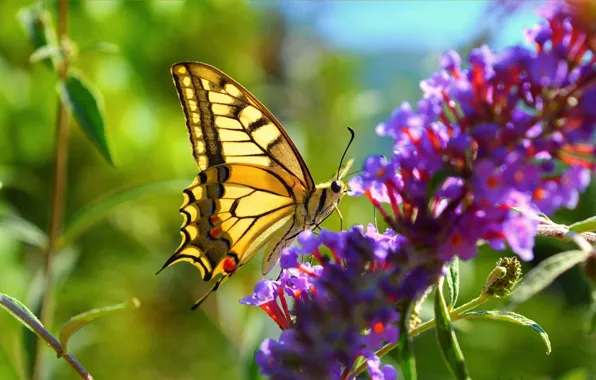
(502, 279)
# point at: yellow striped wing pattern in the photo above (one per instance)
(252, 176)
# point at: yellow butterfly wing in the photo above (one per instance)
(252, 176)
(227, 124)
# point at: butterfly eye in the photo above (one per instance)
(335, 186)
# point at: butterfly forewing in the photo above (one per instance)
(227, 124)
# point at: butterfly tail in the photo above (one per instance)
(213, 289)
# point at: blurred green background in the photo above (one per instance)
(320, 67)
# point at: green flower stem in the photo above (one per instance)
(57, 203)
(455, 315)
(46, 336)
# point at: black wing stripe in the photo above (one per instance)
(257, 124)
(256, 219)
(213, 148)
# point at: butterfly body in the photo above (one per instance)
(253, 189)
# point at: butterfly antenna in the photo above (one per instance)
(354, 172)
(345, 151)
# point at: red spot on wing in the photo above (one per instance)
(229, 264)
(215, 232)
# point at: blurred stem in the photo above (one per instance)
(455, 314)
(57, 204)
(561, 232)
(45, 335)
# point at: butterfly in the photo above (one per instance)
(253, 190)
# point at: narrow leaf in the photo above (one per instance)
(97, 210)
(405, 351)
(77, 322)
(511, 317)
(37, 24)
(447, 338)
(44, 53)
(85, 104)
(544, 274)
(19, 311)
(587, 225)
(452, 282)
(24, 230)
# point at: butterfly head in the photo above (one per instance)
(335, 191)
(337, 187)
(326, 196)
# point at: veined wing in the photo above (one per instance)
(227, 124)
(231, 211)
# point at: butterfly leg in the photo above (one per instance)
(318, 225)
(341, 218)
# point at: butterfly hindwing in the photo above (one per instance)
(230, 211)
(227, 124)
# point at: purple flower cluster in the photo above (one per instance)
(344, 308)
(490, 145)
(487, 148)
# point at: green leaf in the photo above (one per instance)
(587, 225)
(511, 317)
(97, 210)
(18, 310)
(544, 274)
(44, 53)
(77, 322)
(38, 26)
(452, 280)
(85, 104)
(24, 230)
(447, 338)
(20, 178)
(405, 351)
